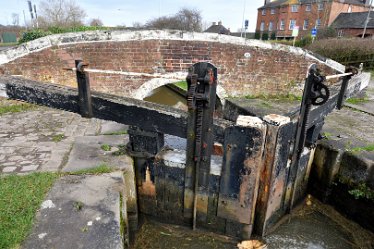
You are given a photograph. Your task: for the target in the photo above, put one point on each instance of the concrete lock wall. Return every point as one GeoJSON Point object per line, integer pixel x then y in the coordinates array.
{"type": "Point", "coordinates": [248, 67]}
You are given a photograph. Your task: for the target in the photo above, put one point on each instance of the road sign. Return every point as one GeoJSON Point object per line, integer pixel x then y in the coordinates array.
{"type": "Point", "coordinates": [314, 32]}
{"type": "Point", "coordinates": [295, 31]}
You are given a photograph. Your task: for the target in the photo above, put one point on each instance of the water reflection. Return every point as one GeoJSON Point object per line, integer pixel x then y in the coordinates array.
{"type": "Point", "coordinates": [166, 96]}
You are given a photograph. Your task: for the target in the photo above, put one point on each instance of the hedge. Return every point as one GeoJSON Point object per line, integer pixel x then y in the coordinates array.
{"type": "Point", "coordinates": [37, 33]}
{"type": "Point", "coordinates": [348, 51]}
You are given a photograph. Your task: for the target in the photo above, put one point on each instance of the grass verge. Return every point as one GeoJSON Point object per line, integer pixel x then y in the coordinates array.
{"type": "Point", "coordinates": [21, 107]}
{"type": "Point", "coordinates": [20, 198]}
{"type": "Point", "coordinates": [182, 85]}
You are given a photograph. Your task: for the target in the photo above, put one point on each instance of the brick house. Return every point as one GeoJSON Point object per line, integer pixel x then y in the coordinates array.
{"type": "Point", "coordinates": [278, 17]}
{"type": "Point", "coordinates": [353, 24]}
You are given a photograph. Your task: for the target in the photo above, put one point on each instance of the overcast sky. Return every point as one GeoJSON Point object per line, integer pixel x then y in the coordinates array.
{"type": "Point", "coordinates": [126, 12]}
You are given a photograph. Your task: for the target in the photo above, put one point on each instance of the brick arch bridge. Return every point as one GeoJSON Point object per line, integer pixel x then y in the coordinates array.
{"type": "Point", "coordinates": [245, 67]}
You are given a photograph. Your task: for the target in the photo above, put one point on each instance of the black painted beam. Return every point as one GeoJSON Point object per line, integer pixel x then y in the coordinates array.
{"type": "Point", "coordinates": [146, 115]}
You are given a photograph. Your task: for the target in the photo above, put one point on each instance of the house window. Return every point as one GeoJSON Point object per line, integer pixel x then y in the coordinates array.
{"type": "Point", "coordinates": [306, 24]}
{"type": "Point", "coordinates": [340, 33]}
{"type": "Point", "coordinates": [294, 8]}
{"type": "Point", "coordinates": [282, 24]}
{"type": "Point", "coordinates": [271, 26]}
{"type": "Point", "coordinates": [262, 26]}
{"type": "Point", "coordinates": [292, 24]}
{"type": "Point", "coordinates": [318, 23]}
{"type": "Point", "coordinates": [320, 6]}
{"type": "Point", "coordinates": [263, 12]}
{"type": "Point", "coordinates": [272, 11]}
{"type": "Point", "coordinates": [308, 7]}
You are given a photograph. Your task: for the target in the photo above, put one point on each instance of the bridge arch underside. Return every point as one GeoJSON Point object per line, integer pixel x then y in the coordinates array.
{"type": "Point", "coordinates": [243, 69]}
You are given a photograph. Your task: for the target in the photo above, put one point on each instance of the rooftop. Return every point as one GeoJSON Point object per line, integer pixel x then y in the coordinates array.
{"type": "Point", "coordinates": [353, 20]}
{"type": "Point", "coordinates": [278, 3]}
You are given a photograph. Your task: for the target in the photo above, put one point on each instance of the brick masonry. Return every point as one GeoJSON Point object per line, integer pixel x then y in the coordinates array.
{"type": "Point", "coordinates": [269, 69]}
{"type": "Point", "coordinates": [329, 12]}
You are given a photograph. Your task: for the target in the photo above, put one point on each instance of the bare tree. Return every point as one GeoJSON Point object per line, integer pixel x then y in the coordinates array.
{"type": "Point", "coordinates": [96, 22]}
{"type": "Point", "coordinates": [62, 13]}
{"type": "Point", "coordinates": [185, 19]}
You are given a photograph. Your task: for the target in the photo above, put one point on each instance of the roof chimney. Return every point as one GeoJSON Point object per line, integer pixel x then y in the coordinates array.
{"type": "Point", "coordinates": [214, 23]}
{"type": "Point", "coordinates": [220, 23]}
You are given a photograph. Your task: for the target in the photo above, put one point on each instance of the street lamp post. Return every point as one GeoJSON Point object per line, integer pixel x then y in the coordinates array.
{"type": "Point", "coordinates": [367, 19]}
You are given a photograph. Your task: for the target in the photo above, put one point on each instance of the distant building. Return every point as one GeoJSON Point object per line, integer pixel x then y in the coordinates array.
{"type": "Point", "coordinates": [277, 18]}
{"type": "Point", "coordinates": [353, 24]}
{"type": "Point", "coordinates": [217, 28]}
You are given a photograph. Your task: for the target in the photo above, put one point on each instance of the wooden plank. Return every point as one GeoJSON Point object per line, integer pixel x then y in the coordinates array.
{"type": "Point", "coordinates": [242, 163]}
{"type": "Point", "coordinates": [148, 116]}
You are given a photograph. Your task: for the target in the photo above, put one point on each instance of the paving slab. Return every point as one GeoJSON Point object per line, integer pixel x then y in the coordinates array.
{"type": "Point", "coordinates": [111, 127]}
{"type": "Point", "coordinates": [39, 139]}
{"type": "Point", "coordinates": [87, 153]}
{"type": "Point", "coordinates": [367, 105]}
{"type": "Point", "coordinates": [80, 211]}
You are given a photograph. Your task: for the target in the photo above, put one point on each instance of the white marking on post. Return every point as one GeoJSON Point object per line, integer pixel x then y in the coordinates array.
{"type": "Point", "coordinates": [3, 90]}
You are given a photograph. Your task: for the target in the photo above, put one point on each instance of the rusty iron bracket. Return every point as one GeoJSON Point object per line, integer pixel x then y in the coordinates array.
{"type": "Point", "coordinates": [344, 85]}
{"type": "Point", "coordinates": [201, 97]}
{"type": "Point", "coordinates": [315, 93]}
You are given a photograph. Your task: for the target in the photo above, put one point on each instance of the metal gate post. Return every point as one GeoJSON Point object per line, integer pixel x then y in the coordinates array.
{"type": "Point", "coordinates": [202, 83]}
{"type": "Point", "coordinates": [84, 92]}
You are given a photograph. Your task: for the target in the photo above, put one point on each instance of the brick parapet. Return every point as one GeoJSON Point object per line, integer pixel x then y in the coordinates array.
{"type": "Point", "coordinates": [245, 67]}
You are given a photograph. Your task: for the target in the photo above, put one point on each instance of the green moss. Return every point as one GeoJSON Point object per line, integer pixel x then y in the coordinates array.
{"type": "Point", "coordinates": [368, 148]}
{"type": "Point", "coordinates": [21, 107]}
{"type": "Point", "coordinates": [121, 151]}
{"type": "Point", "coordinates": [101, 169]}
{"type": "Point", "coordinates": [106, 147]}
{"type": "Point", "coordinates": [58, 138]}
{"type": "Point", "coordinates": [355, 101]}
{"type": "Point", "coordinates": [116, 133]}
{"type": "Point", "coordinates": [281, 97]}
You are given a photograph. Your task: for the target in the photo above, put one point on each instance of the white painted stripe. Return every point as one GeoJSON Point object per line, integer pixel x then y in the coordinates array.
{"type": "Point", "coordinates": [120, 36]}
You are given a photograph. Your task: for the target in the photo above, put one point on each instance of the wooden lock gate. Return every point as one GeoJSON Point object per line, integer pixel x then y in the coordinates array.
{"type": "Point", "coordinates": [257, 178]}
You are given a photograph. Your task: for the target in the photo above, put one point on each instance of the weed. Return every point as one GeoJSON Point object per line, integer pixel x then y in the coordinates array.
{"type": "Point", "coordinates": [124, 132]}
{"type": "Point", "coordinates": [101, 169]}
{"type": "Point", "coordinates": [78, 205]}
{"type": "Point", "coordinates": [362, 192]}
{"type": "Point", "coordinates": [121, 151]}
{"type": "Point", "coordinates": [326, 135]}
{"type": "Point", "coordinates": [281, 97]}
{"type": "Point", "coordinates": [19, 107]}
{"type": "Point", "coordinates": [20, 198]}
{"type": "Point", "coordinates": [58, 138]}
{"type": "Point", "coordinates": [355, 101]}
{"type": "Point", "coordinates": [106, 147]}
{"type": "Point", "coordinates": [368, 148]}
